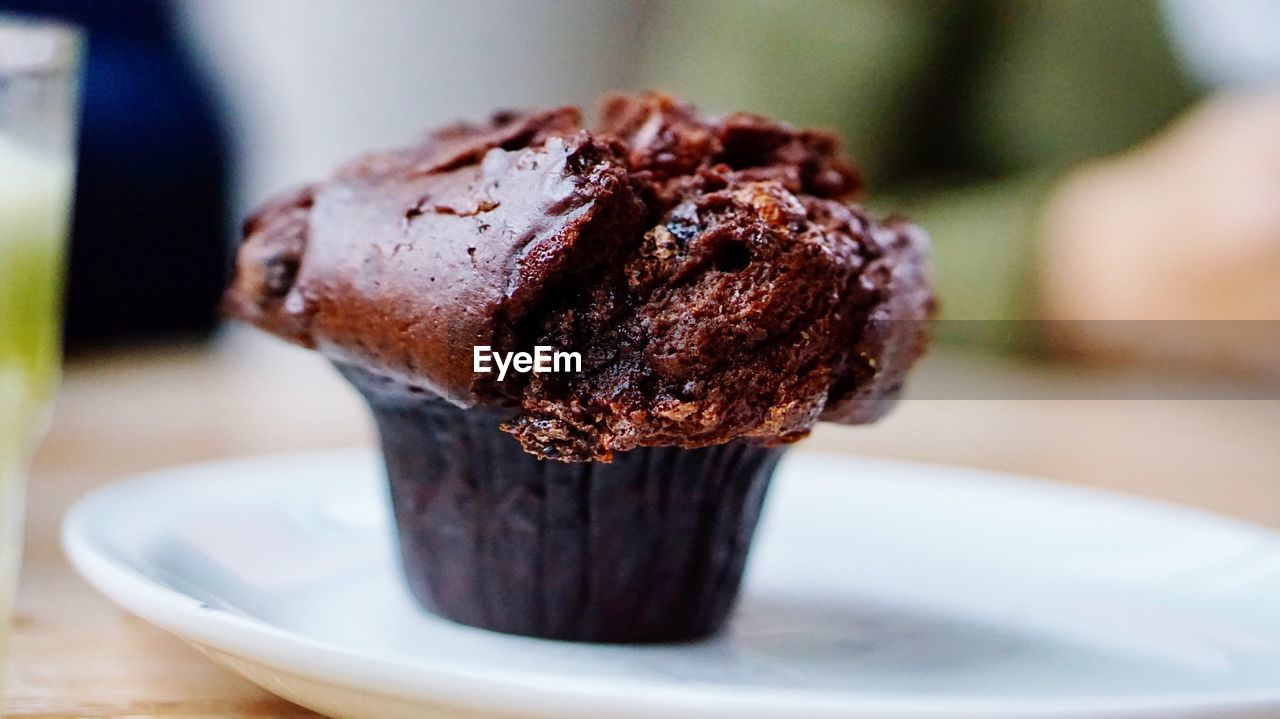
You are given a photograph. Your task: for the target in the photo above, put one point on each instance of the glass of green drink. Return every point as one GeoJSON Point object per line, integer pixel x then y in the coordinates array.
{"type": "Point", "coordinates": [39, 64]}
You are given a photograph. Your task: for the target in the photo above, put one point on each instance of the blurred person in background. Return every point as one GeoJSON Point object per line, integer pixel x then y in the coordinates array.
{"type": "Point", "coordinates": [1047, 146]}
{"type": "Point", "coordinates": [149, 248]}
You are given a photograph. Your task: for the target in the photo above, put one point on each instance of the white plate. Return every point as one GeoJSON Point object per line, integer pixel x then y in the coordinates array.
{"type": "Point", "coordinates": [877, 589]}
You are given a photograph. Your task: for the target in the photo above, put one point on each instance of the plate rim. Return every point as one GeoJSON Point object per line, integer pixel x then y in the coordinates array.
{"type": "Point", "coordinates": [426, 680]}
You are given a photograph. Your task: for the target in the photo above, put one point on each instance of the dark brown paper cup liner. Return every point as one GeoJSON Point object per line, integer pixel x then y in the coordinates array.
{"type": "Point", "coordinates": [648, 548]}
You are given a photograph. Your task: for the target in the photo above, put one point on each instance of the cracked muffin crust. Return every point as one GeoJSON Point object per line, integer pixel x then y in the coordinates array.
{"type": "Point", "coordinates": [712, 273]}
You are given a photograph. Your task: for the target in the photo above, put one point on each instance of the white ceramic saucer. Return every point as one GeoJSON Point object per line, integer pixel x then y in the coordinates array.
{"type": "Point", "coordinates": [877, 589]}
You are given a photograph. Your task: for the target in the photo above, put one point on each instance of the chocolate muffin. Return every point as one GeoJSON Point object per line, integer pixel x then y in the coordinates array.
{"type": "Point", "coordinates": [722, 295]}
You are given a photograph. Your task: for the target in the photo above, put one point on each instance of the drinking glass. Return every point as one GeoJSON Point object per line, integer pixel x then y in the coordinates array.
{"type": "Point", "coordinates": [39, 65]}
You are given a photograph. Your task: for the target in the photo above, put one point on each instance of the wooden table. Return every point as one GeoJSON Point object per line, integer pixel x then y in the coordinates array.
{"type": "Point", "coordinates": [76, 655]}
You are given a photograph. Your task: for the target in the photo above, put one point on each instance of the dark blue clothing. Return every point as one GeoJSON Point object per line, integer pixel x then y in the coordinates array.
{"type": "Point", "coordinates": [150, 244]}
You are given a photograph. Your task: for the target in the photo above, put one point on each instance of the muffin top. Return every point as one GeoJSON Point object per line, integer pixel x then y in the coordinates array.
{"type": "Point", "coordinates": [711, 273]}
